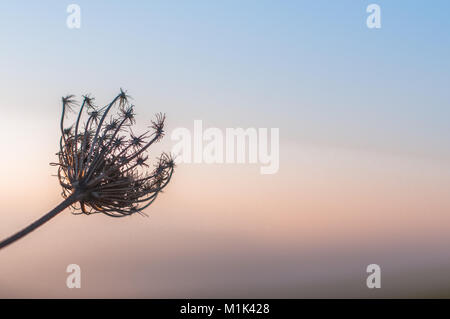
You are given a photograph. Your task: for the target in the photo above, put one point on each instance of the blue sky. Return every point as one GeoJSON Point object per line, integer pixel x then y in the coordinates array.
{"type": "Point", "coordinates": [312, 68]}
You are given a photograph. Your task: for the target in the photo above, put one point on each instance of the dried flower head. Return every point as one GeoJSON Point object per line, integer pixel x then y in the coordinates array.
{"type": "Point", "coordinates": [103, 162]}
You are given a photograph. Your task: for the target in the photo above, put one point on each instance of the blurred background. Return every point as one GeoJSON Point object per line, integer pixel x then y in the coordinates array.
{"type": "Point", "coordinates": [364, 148]}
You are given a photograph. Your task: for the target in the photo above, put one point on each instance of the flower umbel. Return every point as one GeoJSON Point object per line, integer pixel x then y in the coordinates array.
{"type": "Point", "coordinates": [103, 163]}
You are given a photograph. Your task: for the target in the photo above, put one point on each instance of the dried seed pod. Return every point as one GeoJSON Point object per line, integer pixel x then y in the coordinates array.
{"type": "Point", "coordinates": [104, 164]}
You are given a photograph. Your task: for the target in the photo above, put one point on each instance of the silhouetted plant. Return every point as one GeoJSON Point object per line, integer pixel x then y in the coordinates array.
{"type": "Point", "coordinates": [102, 168]}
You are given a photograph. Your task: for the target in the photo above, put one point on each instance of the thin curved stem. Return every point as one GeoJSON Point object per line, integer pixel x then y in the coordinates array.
{"type": "Point", "coordinates": [55, 211]}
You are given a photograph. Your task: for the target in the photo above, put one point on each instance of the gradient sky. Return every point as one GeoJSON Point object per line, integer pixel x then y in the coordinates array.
{"type": "Point", "coordinates": [364, 133]}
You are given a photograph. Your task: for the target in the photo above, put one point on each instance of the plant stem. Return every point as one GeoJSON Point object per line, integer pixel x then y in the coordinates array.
{"type": "Point", "coordinates": [74, 197]}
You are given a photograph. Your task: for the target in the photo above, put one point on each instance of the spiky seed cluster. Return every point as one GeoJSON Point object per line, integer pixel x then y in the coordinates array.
{"type": "Point", "coordinates": [103, 161]}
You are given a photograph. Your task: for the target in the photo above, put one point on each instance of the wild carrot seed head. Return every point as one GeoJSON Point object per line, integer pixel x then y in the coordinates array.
{"type": "Point", "coordinates": [104, 160]}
